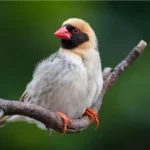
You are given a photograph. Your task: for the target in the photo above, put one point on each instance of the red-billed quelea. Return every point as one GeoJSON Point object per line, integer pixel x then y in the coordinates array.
{"type": "Point", "coordinates": [69, 81]}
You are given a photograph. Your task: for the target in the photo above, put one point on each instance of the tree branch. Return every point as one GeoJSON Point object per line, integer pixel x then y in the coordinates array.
{"type": "Point", "coordinates": [51, 120]}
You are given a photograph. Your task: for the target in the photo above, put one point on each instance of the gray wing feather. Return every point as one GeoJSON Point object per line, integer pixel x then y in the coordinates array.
{"type": "Point", "coordinates": [56, 85]}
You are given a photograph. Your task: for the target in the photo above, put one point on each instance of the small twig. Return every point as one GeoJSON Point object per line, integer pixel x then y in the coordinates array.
{"type": "Point", "coordinates": [51, 120]}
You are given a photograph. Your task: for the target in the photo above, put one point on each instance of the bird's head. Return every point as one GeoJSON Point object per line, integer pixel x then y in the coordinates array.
{"type": "Point", "coordinates": [76, 34]}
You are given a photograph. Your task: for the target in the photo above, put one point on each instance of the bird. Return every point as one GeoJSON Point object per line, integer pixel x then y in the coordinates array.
{"type": "Point", "coordinates": [69, 81]}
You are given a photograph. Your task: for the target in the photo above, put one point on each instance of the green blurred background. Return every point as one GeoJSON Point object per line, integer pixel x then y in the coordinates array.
{"type": "Point", "coordinates": [26, 37]}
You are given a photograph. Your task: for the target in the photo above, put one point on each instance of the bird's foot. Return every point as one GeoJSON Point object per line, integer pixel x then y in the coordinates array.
{"type": "Point", "coordinates": [92, 115]}
{"type": "Point", "coordinates": [66, 121]}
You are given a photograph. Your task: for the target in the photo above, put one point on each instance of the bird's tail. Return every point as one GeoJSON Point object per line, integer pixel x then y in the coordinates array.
{"type": "Point", "coordinates": [17, 118]}
{"type": "Point", "coordinates": [3, 121]}
{"type": "Point", "coordinates": [7, 119]}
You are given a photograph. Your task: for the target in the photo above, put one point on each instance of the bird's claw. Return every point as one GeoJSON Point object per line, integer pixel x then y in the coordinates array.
{"type": "Point", "coordinates": [66, 121]}
{"type": "Point", "coordinates": [92, 115]}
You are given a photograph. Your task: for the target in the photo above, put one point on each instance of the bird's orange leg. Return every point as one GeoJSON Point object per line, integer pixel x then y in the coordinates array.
{"type": "Point", "coordinates": [66, 121]}
{"type": "Point", "coordinates": [92, 115]}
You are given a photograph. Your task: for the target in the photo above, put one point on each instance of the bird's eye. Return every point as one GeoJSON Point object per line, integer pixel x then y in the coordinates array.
{"type": "Point", "coordinates": [75, 31]}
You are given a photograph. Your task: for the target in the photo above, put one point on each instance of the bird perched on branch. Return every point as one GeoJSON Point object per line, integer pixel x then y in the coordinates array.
{"type": "Point", "coordinates": [69, 81]}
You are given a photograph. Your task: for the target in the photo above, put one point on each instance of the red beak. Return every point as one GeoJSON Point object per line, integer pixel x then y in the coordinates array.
{"type": "Point", "coordinates": [63, 33]}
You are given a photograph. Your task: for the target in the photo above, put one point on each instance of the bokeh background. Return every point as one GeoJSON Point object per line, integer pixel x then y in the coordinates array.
{"type": "Point", "coordinates": [26, 37]}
